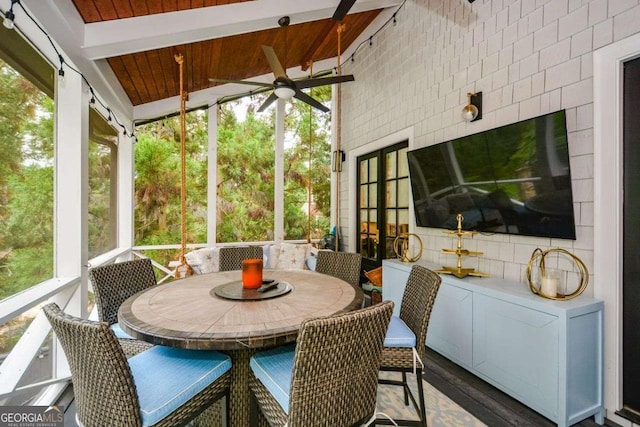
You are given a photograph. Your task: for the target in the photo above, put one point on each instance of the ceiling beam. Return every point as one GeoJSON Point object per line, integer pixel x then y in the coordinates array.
{"type": "Point", "coordinates": [123, 36]}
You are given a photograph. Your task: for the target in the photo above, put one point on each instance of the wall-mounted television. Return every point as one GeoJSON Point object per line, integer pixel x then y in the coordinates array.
{"type": "Point", "coordinates": [514, 179]}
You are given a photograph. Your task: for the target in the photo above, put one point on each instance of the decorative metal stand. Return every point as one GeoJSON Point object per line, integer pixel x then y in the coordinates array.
{"type": "Point", "coordinates": [401, 247]}
{"type": "Point", "coordinates": [538, 275]}
{"type": "Point", "coordinates": [459, 251]}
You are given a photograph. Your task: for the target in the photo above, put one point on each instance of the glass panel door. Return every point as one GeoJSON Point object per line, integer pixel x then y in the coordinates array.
{"type": "Point", "coordinates": [383, 202]}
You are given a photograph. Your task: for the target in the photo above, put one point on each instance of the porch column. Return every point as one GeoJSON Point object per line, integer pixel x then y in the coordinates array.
{"type": "Point", "coordinates": [278, 214]}
{"type": "Point", "coordinates": [212, 177]}
{"type": "Point", "coordinates": [71, 186]}
{"type": "Point", "coordinates": [126, 189]}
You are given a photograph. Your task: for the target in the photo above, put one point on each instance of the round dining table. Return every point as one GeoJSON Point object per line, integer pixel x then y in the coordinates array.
{"type": "Point", "coordinates": [189, 313]}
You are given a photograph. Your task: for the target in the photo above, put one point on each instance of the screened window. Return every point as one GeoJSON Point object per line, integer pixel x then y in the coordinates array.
{"type": "Point", "coordinates": [246, 159]}
{"type": "Point", "coordinates": [26, 192]}
{"type": "Point", "coordinates": [26, 167]}
{"type": "Point", "coordinates": [307, 170]}
{"type": "Point", "coordinates": [157, 183]}
{"type": "Point", "coordinates": [103, 156]}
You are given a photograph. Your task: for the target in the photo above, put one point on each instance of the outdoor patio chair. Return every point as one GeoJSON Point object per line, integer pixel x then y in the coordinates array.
{"type": "Point", "coordinates": [405, 342]}
{"type": "Point", "coordinates": [162, 386]}
{"type": "Point", "coordinates": [329, 377]}
{"type": "Point", "coordinates": [231, 258]}
{"type": "Point", "coordinates": [112, 285]}
{"type": "Point", "coordinates": [343, 265]}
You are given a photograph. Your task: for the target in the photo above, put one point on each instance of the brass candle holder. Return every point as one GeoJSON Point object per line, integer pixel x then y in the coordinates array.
{"type": "Point", "coordinates": [547, 285]}
{"type": "Point", "coordinates": [401, 247]}
{"type": "Point", "coordinates": [459, 251]}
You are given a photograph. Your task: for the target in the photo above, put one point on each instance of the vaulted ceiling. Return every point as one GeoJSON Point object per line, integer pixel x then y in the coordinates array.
{"type": "Point", "coordinates": [130, 44]}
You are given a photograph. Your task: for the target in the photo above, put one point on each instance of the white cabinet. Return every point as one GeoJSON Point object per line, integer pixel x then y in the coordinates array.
{"type": "Point", "coordinates": [546, 354]}
{"type": "Point", "coordinates": [450, 325]}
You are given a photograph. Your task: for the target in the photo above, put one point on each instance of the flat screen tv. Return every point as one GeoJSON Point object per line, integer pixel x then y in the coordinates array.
{"type": "Point", "coordinates": [514, 179]}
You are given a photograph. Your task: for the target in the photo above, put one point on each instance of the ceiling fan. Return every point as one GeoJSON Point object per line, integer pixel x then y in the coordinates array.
{"type": "Point", "coordinates": [286, 88]}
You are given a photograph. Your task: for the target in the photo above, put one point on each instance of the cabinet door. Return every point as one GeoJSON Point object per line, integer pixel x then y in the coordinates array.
{"type": "Point", "coordinates": [450, 325]}
{"type": "Point", "coordinates": [517, 349]}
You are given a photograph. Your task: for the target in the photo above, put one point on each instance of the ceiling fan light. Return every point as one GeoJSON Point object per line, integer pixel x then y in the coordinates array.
{"type": "Point", "coordinates": [284, 92]}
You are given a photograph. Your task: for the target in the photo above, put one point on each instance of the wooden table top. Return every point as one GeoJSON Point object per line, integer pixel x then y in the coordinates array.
{"type": "Point", "coordinates": [185, 313]}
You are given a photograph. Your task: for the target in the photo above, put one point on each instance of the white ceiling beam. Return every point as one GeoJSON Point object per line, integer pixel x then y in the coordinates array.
{"type": "Point", "coordinates": [123, 36]}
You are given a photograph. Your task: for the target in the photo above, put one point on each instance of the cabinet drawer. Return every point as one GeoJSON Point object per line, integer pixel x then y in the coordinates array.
{"type": "Point", "coordinates": [450, 326]}
{"type": "Point", "coordinates": [517, 348]}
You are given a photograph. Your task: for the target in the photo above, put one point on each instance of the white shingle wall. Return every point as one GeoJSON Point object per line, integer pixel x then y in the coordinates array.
{"type": "Point", "coordinates": [528, 57]}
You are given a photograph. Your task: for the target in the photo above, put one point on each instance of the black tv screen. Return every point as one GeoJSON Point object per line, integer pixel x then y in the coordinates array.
{"type": "Point", "coordinates": [514, 179]}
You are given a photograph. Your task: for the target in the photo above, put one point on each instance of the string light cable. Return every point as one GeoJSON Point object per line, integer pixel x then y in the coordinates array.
{"type": "Point", "coordinates": [369, 40]}
{"type": "Point", "coordinates": [9, 22]}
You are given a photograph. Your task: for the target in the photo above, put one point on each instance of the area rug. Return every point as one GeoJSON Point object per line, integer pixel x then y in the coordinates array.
{"type": "Point", "coordinates": [441, 411]}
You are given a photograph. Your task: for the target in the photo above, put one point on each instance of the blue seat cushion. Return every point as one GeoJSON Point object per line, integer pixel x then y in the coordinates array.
{"type": "Point", "coordinates": [167, 377]}
{"type": "Point", "coordinates": [311, 263]}
{"type": "Point", "coordinates": [119, 333]}
{"type": "Point", "coordinates": [274, 368]}
{"type": "Point", "coordinates": [399, 334]}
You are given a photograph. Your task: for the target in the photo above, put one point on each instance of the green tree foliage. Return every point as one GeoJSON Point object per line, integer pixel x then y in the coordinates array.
{"type": "Point", "coordinates": [307, 167]}
{"type": "Point", "coordinates": [157, 186]}
{"type": "Point", "coordinates": [245, 188]}
{"type": "Point", "coordinates": [26, 183]}
{"type": "Point", "coordinates": [245, 174]}
{"type": "Point", "coordinates": [102, 213]}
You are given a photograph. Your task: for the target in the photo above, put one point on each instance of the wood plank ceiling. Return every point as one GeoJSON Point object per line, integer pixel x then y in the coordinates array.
{"type": "Point", "coordinates": [153, 75]}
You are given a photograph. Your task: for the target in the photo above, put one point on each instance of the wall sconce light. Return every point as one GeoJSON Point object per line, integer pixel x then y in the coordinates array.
{"type": "Point", "coordinates": [337, 158]}
{"type": "Point", "coordinates": [473, 110]}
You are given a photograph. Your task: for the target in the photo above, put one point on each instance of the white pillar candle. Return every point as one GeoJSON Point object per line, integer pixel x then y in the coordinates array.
{"type": "Point", "coordinates": [549, 286]}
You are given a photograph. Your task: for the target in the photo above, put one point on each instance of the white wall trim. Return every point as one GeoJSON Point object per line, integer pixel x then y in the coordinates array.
{"type": "Point", "coordinates": [608, 191]}
{"type": "Point", "coordinates": [352, 157]}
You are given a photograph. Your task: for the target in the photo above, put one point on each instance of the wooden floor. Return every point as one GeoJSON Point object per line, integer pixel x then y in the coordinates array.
{"type": "Point", "coordinates": [482, 400]}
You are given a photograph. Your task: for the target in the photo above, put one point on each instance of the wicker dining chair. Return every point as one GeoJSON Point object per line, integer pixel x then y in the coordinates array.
{"type": "Point", "coordinates": [231, 258]}
{"type": "Point", "coordinates": [162, 386]}
{"type": "Point", "coordinates": [343, 265]}
{"type": "Point", "coordinates": [406, 338]}
{"type": "Point", "coordinates": [329, 377]}
{"type": "Point", "coordinates": [112, 285]}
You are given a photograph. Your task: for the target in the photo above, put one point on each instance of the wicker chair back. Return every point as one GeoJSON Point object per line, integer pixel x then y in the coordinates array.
{"type": "Point", "coordinates": [114, 283]}
{"type": "Point", "coordinates": [343, 265]}
{"type": "Point", "coordinates": [231, 258]}
{"type": "Point", "coordinates": [417, 303]}
{"type": "Point", "coordinates": [335, 371]}
{"type": "Point", "coordinates": [102, 383]}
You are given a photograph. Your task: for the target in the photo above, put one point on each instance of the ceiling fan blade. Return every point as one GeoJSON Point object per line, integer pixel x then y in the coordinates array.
{"type": "Point", "coordinates": [267, 102]}
{"type": "Point", "coordinates": [321, 81]}
{"type": "Point", "coordinates": [309, 100]}
{"type": "Point", "coordinates": [343, 8]}
{"type": "Point", "coordinates": [242, 82]}
{"type": "Point", "coordinates": [274, 62]}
